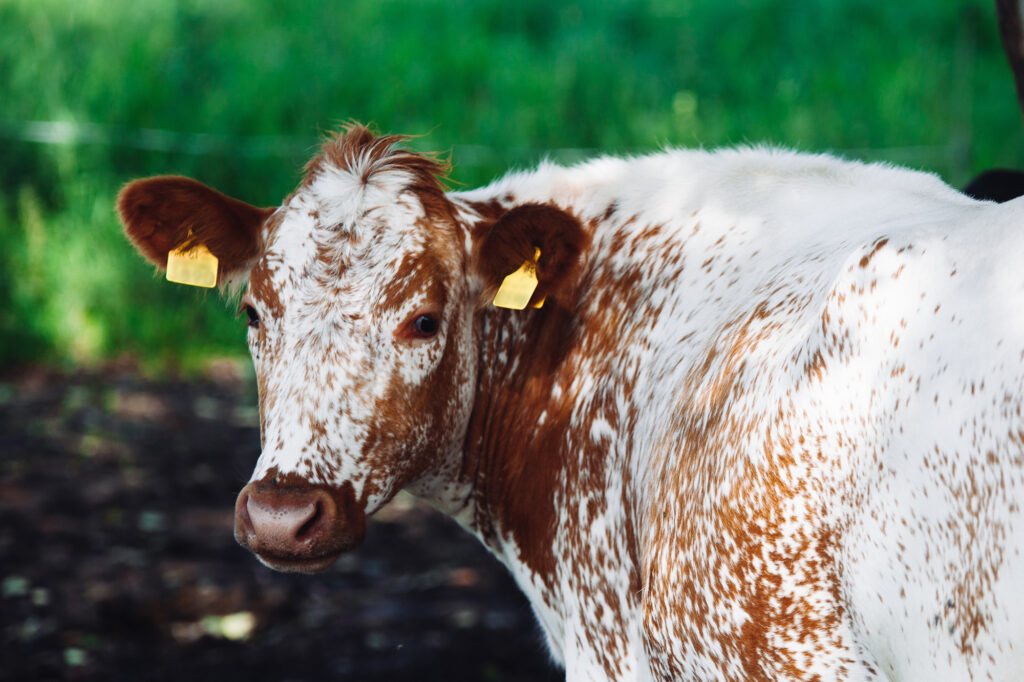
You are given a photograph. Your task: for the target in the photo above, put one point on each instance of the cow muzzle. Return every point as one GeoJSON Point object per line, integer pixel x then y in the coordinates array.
{"type": "Point", "coordinates": [295, 526]}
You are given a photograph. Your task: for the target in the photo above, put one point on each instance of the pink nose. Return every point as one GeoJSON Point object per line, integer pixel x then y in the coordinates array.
{"type": "Point", "coordinates": [297, 526]}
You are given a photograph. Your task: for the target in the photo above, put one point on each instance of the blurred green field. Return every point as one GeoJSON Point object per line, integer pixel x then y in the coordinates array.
{"type": "Point", "coordinates": [236, 94]}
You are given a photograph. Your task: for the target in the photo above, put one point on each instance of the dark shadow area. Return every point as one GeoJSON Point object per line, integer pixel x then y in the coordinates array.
{"type": "Point", "coordinates": [999, 184]}
{"type": "Point", "coordinates": [117, 559]}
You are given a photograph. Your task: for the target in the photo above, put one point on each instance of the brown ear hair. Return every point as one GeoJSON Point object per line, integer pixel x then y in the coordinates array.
{"type": "Point", "coordinates": [165, 213]}
{"type": "Point", "coordinates": [504, 245]}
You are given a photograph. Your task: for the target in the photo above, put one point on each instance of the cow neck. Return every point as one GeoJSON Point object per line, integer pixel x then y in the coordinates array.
{"type": "Point", "coordinates": [515, 445]}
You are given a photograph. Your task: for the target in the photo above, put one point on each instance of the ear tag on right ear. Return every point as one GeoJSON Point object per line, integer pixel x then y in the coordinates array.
{"type": "Point", "coordinates": [517, 289]}
{"type": "Point", "coordinates": [196, 267]}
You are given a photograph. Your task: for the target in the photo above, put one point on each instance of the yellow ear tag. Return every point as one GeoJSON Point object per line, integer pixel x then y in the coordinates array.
{"type": "Point", "coordinates": [517, 289]}
{"type": "Point", "coordinates": [196, 267]}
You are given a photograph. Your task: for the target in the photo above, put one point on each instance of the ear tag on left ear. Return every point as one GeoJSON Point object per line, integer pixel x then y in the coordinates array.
{"type": "Point", "coordinates": [196, 267]}
{"type": "Point", "coordinates": [517, 289]}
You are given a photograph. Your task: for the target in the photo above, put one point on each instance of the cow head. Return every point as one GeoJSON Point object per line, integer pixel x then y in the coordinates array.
{"type": "Point", "coordinates": [362, 291]}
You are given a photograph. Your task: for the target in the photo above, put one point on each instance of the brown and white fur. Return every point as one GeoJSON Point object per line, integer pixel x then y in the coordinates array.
{"type": "Point", "coordinates": [767, 424]}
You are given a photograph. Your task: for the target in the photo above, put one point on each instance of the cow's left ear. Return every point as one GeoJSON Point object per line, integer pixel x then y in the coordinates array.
{"type": "Point", "coordinates": [167, 213]}
{"type": "Point", "coordinates": [513, 239]}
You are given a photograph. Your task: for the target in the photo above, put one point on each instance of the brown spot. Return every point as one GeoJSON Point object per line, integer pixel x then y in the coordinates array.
{"type": "Point", "coordinates": [875, 248]}
{"type": "Point", "coordinates": [815, 366]}
{"type": "Point", "coordinates": [488, 213]}
{"type": "Point", "coordinates": [610, 211]}
{"type": "Point", "coordinates": [262, 290]}
{"type": "Point", "coordinates": [416, 272]}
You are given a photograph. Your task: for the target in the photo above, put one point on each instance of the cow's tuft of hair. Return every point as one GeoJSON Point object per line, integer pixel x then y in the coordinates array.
{"type": "Point", "coordinates": [357, 149]}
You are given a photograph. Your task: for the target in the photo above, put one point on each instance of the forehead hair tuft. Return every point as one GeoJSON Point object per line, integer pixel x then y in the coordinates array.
{"type": "Point", "coordinates": [357, 150]}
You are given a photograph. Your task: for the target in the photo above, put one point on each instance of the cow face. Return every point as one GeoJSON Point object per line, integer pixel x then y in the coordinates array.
{"type": "Point", "coordinates": [360, 332]}
{"type": "Point", "coordinates": [360, 305]}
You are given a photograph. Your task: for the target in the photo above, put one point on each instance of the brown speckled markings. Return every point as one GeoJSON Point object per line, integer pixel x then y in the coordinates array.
{"type": "Point", "coordinates": [767, 425]}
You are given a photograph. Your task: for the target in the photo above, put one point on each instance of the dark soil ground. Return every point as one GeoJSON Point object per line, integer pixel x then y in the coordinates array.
{"type": "Point", "coordinates": [117, 560]}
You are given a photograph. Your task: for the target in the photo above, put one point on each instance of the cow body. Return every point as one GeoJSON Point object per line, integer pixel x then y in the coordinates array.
{"type": "Point", "coordinates": [766, 426]}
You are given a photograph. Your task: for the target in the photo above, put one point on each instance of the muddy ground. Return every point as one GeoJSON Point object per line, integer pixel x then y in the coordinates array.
{"type": "Point", "coordinates": [117, 560]}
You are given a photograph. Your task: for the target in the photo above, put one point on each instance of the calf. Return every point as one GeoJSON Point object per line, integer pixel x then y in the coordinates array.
{"type": "Point", "coordinates": [760, 417]}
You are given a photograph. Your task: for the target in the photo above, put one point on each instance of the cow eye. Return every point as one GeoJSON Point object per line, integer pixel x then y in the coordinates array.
{"type": "Point", "coordinates": [254, 319]}
{"type": "Point", "coordinates": [424, 326]}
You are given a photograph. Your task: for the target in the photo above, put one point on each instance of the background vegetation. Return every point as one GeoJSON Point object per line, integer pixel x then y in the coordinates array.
{"type": "Point", "coordinates": [235, 93]}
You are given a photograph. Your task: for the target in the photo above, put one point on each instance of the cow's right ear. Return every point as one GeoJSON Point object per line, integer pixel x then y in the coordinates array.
{"type": "Point", "coordinates": [167, 213]}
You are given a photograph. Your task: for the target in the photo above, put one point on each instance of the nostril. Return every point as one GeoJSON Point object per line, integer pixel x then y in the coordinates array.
{"type": "Point", "coordinates": [243, 521]}
{"type": "Point", "coordinates": [310, 527]}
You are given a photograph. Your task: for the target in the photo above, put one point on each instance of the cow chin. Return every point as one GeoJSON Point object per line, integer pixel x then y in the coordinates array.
{"type": "Point", "coordinates": [300, 564]}
{"type": "Point", "coordinates": [307, 567]}
{"type": "Point", "coordinates": [298, 527]}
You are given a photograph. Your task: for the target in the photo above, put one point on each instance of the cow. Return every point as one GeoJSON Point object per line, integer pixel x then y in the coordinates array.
{"type": "Point", "coordinates": [996, 184]}
{"type": "Point", "coordinates": [758, 414]}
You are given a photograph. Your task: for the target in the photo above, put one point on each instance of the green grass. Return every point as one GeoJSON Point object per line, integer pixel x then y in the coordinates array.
{"type": "Point", "coordinates": [921, 83]}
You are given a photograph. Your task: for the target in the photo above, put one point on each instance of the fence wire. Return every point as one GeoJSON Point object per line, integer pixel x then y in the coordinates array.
{"type": "Point", "coordinates": [288, 146]}
{"type": "Point", "coordinates": [154, 139]}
